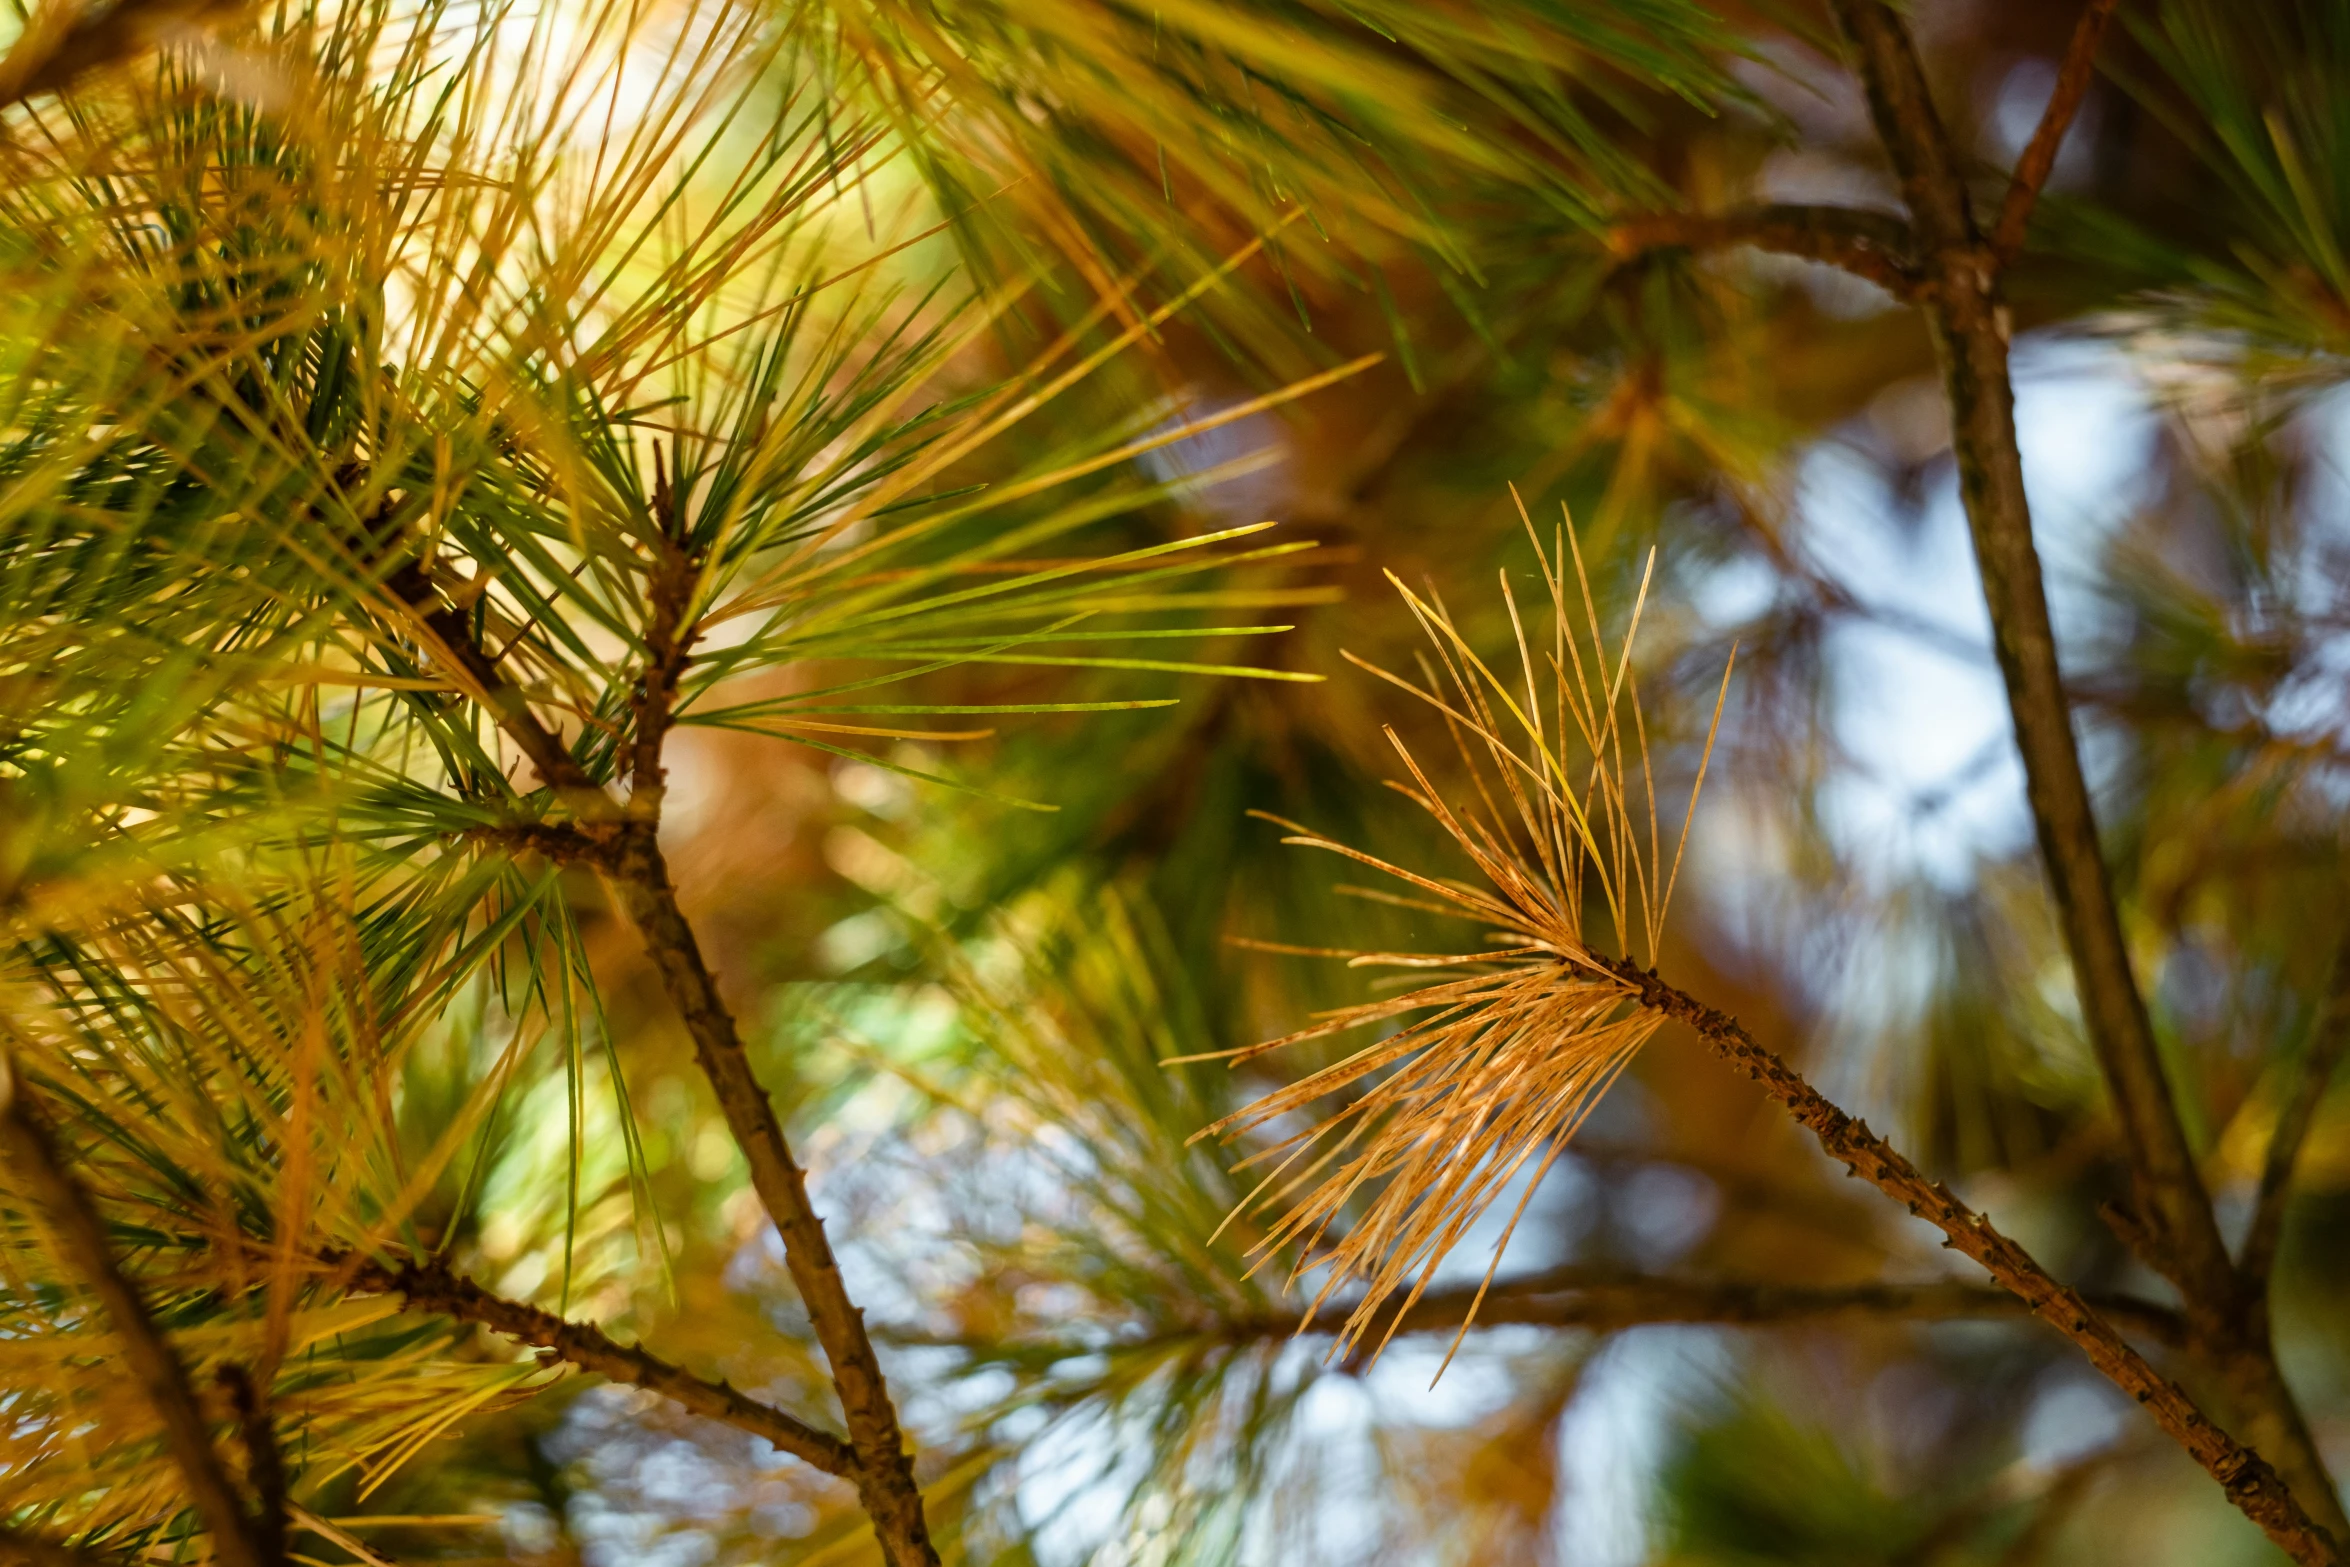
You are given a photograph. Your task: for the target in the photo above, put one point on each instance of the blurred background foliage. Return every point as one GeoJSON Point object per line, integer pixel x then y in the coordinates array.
{"type": "Point", "coordinates": [963, 1005]}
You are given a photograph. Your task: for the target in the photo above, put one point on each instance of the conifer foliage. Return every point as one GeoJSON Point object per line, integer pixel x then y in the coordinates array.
{"type": "Point", "coordinates": [656, 661]}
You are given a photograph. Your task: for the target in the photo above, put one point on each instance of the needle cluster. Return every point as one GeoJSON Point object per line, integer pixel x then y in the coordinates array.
{"type": "Point", "coordinates": [1388, 1157]}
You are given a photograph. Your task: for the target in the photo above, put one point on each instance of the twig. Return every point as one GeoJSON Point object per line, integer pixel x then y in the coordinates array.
{"type": "Point", "coordinates": [639, 877]}
{"type": "Point", "coordinates": [2317, 1066]}
{"type": "Point", "coordinates": [2227, 1325]}
{"type": "Point", "coordinates": [265, 1465]}
{"type": "Point", "coordinates": [1973, 347]}
{"type": "Point", "coordinates": [328, 1531]}
{"type": "Point", "coordinates": [2243, 1474]}
{"type": "Point", "coordinates": [2032, 169]}
{"type": "Point", "coordinates": [430, 1287]}
{"type": "Point", "coordinates": [1872, 245]}
{"type": "Point", "coordinates": [1574, 1297]}
{"type": "Point", "coordinates": [638, 874]}
{"type": "Point", "coordinates": [449, 638]}
{"type": "Point", "coordinates": [884, 1473]}
{"type": "Point", "coordinates": [668, 643]}
{"type": "Point", "coordinates": [82, 1237]}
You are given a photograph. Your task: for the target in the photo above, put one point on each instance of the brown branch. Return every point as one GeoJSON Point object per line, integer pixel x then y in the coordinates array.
{"type": "Point", "coordinates": [884, 1471]}
{"type": "Point", "coordinates": [2242, 1473]}
{"type": "Point", "coordinates": [1576, 1297]}
{"type": "Point", "coordinates": [669, 643]}
{"type": "Point", "coordinates": [265, 1464]}
{"type": "Point", "coordinates": [2317, 1065]}
{"type": "Point", "coordinates": [1872, 245]}
{"type": "Point", "coordinates": [1972, 342]}
{"type": "Point", "coordinates": [558, 841]}
{"type": "Point", "coordinates": [638, 874]}
{"type": "Point", "coordinates": [2227, 1325]}
{"type": "Point", "coordinates": [67, 42]}
{"type": "Point", "coordinates": [81, 1235]}
{"type": "Point", "coordinates": [2032, 169]}
{"type": "Point", "coordinates": [449, 638]}
{"type": "Point", "coordinates": [431, 1287]}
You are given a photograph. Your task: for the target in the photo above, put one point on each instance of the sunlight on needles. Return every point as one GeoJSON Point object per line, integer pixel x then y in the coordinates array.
{"type": "Point", "coordinates": [1492, 1069]}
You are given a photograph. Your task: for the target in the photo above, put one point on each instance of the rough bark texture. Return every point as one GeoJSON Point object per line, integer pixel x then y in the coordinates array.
{"type": "Point", "coordinates": [2227, 1322]}
{"type": "Point", "coordinates": [146, 1353]}
{"type": "Point", "coordinates": [2242, 1473]}
{"type": "Point", "coordinates": [627, 850]}
{"type": "Point", "coordinates": [884, 1470]}
{"type": "Point", "coordinates": [429, 1287]}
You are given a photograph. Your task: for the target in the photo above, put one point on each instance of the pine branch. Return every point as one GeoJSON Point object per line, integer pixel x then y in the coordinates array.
{"type": "Point", "coordinates": [2242, 1473]}
{"type": "Point", "coordinates": [2227, 1324]}
{"type": "Point", "coordinates": [638, 874]}
{"type": "Point", "coordinates": [1872, 245]}
{"type": "Point", "coordinates": [2032, 169]}
{"type": "Point", "coordinates": [884, 1472]}
{"type": "Point", "coordinates": [668, 645]}
{"type": "Point", "coordinates": [81, 1235]}
{"type": "Point", "coordinates": [431, 1287]}
{"type": "Point", "coordinates": [2317, 1066]}
{"type": "Point", "coordinates": [1574, 1297]}
{"type": "Point", "coordinates": [67, 42]}
{"type": "Point", "coordinates": [449, 638]}
{"type": "Point", "coordinates": [265, 1464]}
{"type": "Point", "coordinates": [1971, 337]}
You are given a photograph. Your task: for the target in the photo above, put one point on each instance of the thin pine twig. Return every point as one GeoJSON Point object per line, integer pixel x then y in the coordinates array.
{"type": "Point", "coordinates": [2039, 157]}
{"type": "Point", "coordinates": [431, 1287]}
{"type": "Point", "coordinates": [1506, 1061]}
{"type": "Point", "coordinates": [1493, 1066]}
{"type": "Point", "coordinates": [2242, 1473]}
{"type": "Point", "coordinates": [81, 1234]}
{"type": "Point", "coordinates": [1870, 245]}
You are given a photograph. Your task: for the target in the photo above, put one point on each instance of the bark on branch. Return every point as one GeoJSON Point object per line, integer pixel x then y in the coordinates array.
{"type": "Point", "coordinates": [639, 878]}
{"type": "Point", "coordinates": [430, 1287]}
{"type": "Point", "coordinates": [2032, 169]}
{"type": "Point", "coordinates": [146, 1353]}
{"type": "Point", "coordinates": [1575, 1297]}
{"type": "Point", "coordinates": [2242, 1473]}
{"type": "Point", "coordinates": [1872, 245]}
{"type": "Point", "coordinates": [630, 858]}
{"type": "Point", "coordinates": [2227, 1324]}
{"type": "Point", "coordinates": [1572, 1297]}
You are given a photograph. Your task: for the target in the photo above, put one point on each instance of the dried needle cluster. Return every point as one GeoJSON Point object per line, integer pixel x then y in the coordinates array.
{"type": "Point", "coordinates": [1492, 1067]}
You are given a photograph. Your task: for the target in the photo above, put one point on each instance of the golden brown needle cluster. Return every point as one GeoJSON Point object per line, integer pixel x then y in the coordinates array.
{"type": "Point", "coordinates": [1381, 1163]}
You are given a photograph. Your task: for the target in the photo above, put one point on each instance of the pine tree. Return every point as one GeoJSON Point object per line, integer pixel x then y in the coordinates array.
{"type": "Point", "coordinates": [612, 609]}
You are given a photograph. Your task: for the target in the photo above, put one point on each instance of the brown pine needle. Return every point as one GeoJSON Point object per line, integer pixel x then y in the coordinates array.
{"type": "Point", "coordinates": [1498, 1067]}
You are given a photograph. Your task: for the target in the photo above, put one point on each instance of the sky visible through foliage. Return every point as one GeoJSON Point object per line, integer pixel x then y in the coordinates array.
{"type": "Point", "coordinates": [1053, 783]}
